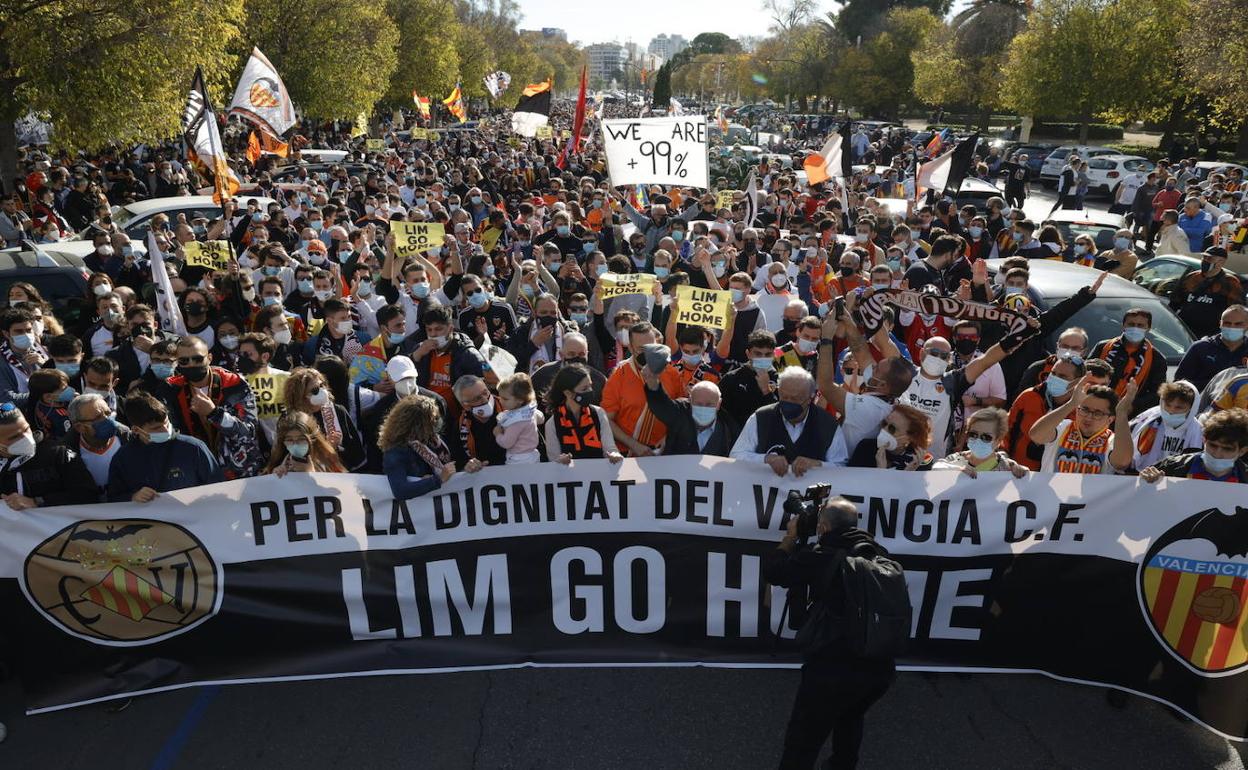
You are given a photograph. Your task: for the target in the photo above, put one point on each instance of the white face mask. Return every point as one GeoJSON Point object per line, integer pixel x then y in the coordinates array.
{"type": "Point", "coordinates": [100, 289]}
{"type": "Point", "coordinates": [249, 294]}
{"type": "Point", "coordinates": [779, 280]}
{"type": "Point", "coordinates": [439, 342]}
{"type": "Point", "coordinates": [886, 440]}
{"type": "Point", "coordinates": [485, 411]}
{"type": "Point", "coordinates": [282, 337]}
{"type": "Point", "coordinates": [406, 386]}
{"type": "Point", "coordinates": [344, 327]}
{"type": "Point", "coordinates": [935, 366]}
{"type": "Point", "coordinates": [229, 342]}
{"type": "Point", "coordinates": [24, 446]}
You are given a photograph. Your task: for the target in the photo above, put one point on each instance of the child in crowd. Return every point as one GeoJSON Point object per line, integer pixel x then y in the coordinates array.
{"type": "Point", "coordinates": [517, 424]}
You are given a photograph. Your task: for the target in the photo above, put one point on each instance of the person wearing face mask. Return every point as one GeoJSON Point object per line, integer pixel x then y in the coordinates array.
{"type": "Point", "coordinates": [803, 348]}
{"type": "Point", "coordinates": [484, 313]}
{"type": "Point", "coordinates": [38, 473]}
{"type": "Point", "coordinates": [1225, 444]}
{"type": "Point", "coordinates": [97, 436]}
{"type": "Point", "coordinates": [938, 391]}
{"type": "Point", "coordinates": [1121, 259]}
{"type": "Point", "coordinates": [849, 274]}
{"type": "Point", "coordinates": [695, 424]}
{"type": "Point", "coordinates": [443, 355]}
{"type": "Point", "coordinates": [1134, 359]}
{"type": "Point", "coordinates": [578, 428]}
{"type": "Point", "coordinates": [1168, 429]}
{"type": "Point", "coordinates": [1227, 349]}
{"type": "Point", "coordinates": [901, 443]}
{"type": "Point", "coordinates": [575, 351]}
{"type": "Point", "coordinates": [1031, 404]}
{"type": "Point", "coordinates": [980, 243]}
{"type": "Point", "coordinates": [337, 337]}
{"type": "Point", "coordinates": [307, 392]}
{"type": "Point", "coordinates": [1200, 297]}
{"type": "Point", "coordinates": [937, 269]}
{"type": "Point", "coordinates": [624, 400]}
{"type": "Point", "coordinates": [539, 339]}
{"type": "Point", "coordinates": [157, 458]}
{"type": "Point", "coordinates": [563, 235]}
{"type": "Point", "coordinates": [791, 435]}
{"type": "Point", "coordinates": [985, 434]}
{"type": "Point", "coordinates": [1167, 199]}
{"type": "Point", "coordinates": [653, 228]}
{"type": "Point", "coordinates": [47, 402]}
{"type": "Point", "coordinates": [255, 354]}
{"type": "Point", "coordinates": [104, 259]}
{"type": "Point", "coordinates": [473, 443]}
{"type": "Point", "coordinates": [691, 358]}
{"type": "Point", "coordinates": [302, 448]}
{"type": "Point", "coordinates": [215, 406]}
{"type": "Point", "coordinates": [20, 353]}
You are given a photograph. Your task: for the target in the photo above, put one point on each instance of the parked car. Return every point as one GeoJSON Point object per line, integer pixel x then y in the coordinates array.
{"type": "Point", "coordinates": [1050, 282]}
{"type": "Point", "coordinates": [1204, 168]}
{"type": "Point", "coordinates": [1160, 273]}
{"type": "Point", "coordinates": [1036, 154]}
{"type": "Point", "coordinates": [1055, 161]}
{"type": "Point", "coordinates": [1072, 223]}
{"type": "Point", "coordinates": [60, 278]}
{"type": "Point", "coordinates": [976, 192]}
{"type": "Point", "coordinates": [135, 219]}
{"type": "Point", "coordinates": [1105, 172]}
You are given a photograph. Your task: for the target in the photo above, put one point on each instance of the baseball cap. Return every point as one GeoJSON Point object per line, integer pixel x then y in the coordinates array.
{"type": "Point", "coordinates": [400, 367]}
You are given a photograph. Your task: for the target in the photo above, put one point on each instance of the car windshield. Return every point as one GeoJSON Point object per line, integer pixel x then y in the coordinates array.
{"type": "Point", "coordinates": [1103, 320]}
{"type": "Point", "coordinates": [1104, 236]}
{"type": "Point", "coordinates": [121, 215]}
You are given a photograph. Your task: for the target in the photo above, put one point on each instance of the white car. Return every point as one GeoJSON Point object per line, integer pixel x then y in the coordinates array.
{"type": "Point", "coordinates": [1055, 161]}
{"type": "Point", "coordinates": [1206, 167]}
{"type": "Point", "coordinates": [135, 219]}
{"type": "Point", "coordinates": [1105, 172]}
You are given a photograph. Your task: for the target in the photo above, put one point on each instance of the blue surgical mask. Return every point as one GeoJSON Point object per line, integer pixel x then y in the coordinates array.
{"type": "Point", "coordinates": [160, 437]}
{"type": "Point", "coordinates": [162, 371]}
{"type": "Point", "coordinates": [305, 286]}
{"type": "Point", "coordinates": [71, 369]}
{"type": "Point", "coordinates": [1081, 249]}
{"type": "Point", "coordinates": [476, 200]}
{"type": "Point", "coordinates": [1134, 334]}
{"type": "Point", "coordinates": [1011, 291]}
{"type": "Point", "coordinates": [270, 301]}
{"type": "Point", "coordinates": [488, 270]}
{"type": "Point", "coordinates": [601, 269]}
{"type": "Point", "coordinates": [678, 235]}
{"type": "Point", "coordinates": [580, 318]}
{"type": "Point", "coordinates": [587, 248]}
{"type": "Point", "coordinates": [1056, 386]}
{"type": "Point", "coordinates": [661, 272]}
{"type": "Point", "coordinates": [344, 255]}
{"type": "Point", "coordinates": [270, 270]}
{"type": "Point", "coordinates": [894, 264]}
{"type": "Point", "coordinates": [1173, 420]}
{"type": "Point", "coordinates": [1017, 235]}
{"type": "Point", "coordinates": [23, 341]}
{"type": "Point", "coordinates": [1218, 466]}
{"type": "Point", "coordinates": [980, 449]}
{"type": "Point", "coordinates": [738, 295]}
{"type": "Point", "coordinates": [395, 338]}
{"type": "Point", "coordinates": [1232, 333]}
{"type": "Point", "coordinates": [703, 415]}
{"type": "Point", "coordinates": [691, 359]}
{"type": "Point", "coordinates": [975, 231]}
{"type": "Point", "coordinates": [421, 290]}
{"type": "Point", "coordinates": [719, 268]}
{"type": "Point", "coordinates": [478, 299]}
{"type": "Point", "coordinates": [67, 395]}
{"type": "Point", "coordinates": [420, 202]}
{"type": "Point", "coordinates": [765, 364]}
{"type": "Point", "coordinates": [563, 229]}
{"type": "Point", "coordinates": [104, 428]}
{"type": "Point", "coordinates": [1122, 244]}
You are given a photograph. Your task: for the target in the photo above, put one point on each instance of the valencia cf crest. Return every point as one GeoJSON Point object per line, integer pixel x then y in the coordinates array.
{"type": "Point", "coordinates": [1193, 588]}
{"type": "Point", "coordinates": [123, 583]}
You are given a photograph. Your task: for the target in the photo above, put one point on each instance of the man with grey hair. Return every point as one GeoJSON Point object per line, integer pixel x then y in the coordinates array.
{"type": "Point", "coordinates": [837, 686]}
{"type": "Point", "coordinates": [575, 351]}
{"type": "Point", "coordinates": [96, 435]}
{"type": "Point", "coordinates": [655, 227]}
{"type": "Point", "coordinates": [472, 442]}
{"type": "Point", "coordinates": [695, 425]}
{"type": "Point", "coordinates": [791, 433]}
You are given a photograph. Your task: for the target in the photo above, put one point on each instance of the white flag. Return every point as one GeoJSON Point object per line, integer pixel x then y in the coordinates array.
{"type": "Point", "coordinates": [497, 83]}
{"type": "Point", "coordinates": [751, 200]}
{"type": "Point", "coordinates": [261, 97]}
{"type": "Point", "coordinates": [166, 301]}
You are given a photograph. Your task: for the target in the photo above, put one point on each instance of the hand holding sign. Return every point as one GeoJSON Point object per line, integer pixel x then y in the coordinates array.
{"type": "Point", "coordinates": [702, 307]}
{"type": "Point", "coordinates": [614, 285]}
{"type": "Point", "coordinates": [416, 237]}
{"type": "Point", "coordinates": [214, 255]}
{"type": "Point", "coordinates": [669, 150]}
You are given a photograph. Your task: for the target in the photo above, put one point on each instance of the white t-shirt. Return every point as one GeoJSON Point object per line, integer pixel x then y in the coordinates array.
{"type": "Point", "coordinates": [862, 419]}
{"type": "Point", "coordinates": [932, 399]}
{"type": "Point", "coordinates": [98, 462]}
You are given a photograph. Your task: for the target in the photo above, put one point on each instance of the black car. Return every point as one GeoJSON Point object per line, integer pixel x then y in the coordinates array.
{"type": "Point", "coordinates": [60, 278]}
{"type": "Point", "coordinates": [1161, 273]}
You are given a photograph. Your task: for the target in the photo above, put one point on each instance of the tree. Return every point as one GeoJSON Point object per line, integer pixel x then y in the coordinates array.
{"type": "Point", "coordinates": [335, 56]}
{"type": "Point", "coordinates": [426, 63]}
{"type": "Point", "coordinates": [866, 18]}
{"type": "Point", "coordinates": [878, 76]}
{"type": "Point", "coordinates": [714, 42]}
{"type": "Point", "coordinates": [108, 71]}
{"type": "Point", "coordinates": [1219, 69]}
{"type": "Point", "coordinates": [662, 87]}
{"type": "Point", "coordinates": [787, 15]}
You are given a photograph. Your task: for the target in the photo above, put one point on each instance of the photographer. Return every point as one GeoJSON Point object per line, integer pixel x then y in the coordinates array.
{"type": "Point", "coordinates": [838, 686]}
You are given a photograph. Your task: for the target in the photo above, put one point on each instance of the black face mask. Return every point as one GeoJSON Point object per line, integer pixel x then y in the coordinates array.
{"type": "Point", "coordinates": [847, 271]}
{"type": "Point", "coordinates": [1206, 266]}
{"type": "Point", "coordinates": [789, 326]}
{"type": "Point", "coordinates": [193, 373]}
{"type": "Point", "coordinates": [247, 365]}
{"type": "Point", "coordinates": [576, 360]}
{"type": "Point", "coordinates": [195, 308]}
{"type": "Point", "coordinates": [584, 399]}
{"type": "Point", "coordinates": [966, 347]}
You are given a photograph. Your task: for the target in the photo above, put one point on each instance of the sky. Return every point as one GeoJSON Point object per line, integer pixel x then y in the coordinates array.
{"type": "Point", "coordinates": [640, 20]}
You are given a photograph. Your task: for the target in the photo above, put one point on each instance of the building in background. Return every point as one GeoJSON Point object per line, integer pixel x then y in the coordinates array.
{"type": "Point", "coordinates": [665, 46]}
{"type": "Point", "coordinates": [606, 60]}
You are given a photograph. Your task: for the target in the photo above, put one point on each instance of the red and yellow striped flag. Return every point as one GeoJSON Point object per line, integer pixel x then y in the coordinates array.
{"type": "Point", "coordinates": [455, 103]}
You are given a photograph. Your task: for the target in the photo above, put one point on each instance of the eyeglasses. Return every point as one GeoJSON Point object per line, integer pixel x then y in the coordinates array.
{"type": "Point", "coordinates": [980, 436]}
{"type": "Point", "coordinates": [1095, 413]}
{"type": "Point", "coordinates": [191, 360]}
{"type": "Point", "coordinates": [941, 354]}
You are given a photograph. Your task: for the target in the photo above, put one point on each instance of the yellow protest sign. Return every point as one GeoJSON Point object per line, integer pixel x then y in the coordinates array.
{"type": "Point", "coordinates": [545, 132]}
{"type": "Point", "coordinates": [513, 142]}
{"type": "Point", "coordinates": [214, 255]}
{"type": "Point", "coordinates": [724, 200]}
{"type": "Point", "coordinates": [703, 307]}
{"type": "Point", "coordinates": [615, 285]}
{"type": "Point", "coordinates": [489, 239]}
{"type": "Point", "coordinates": [565, 134]}
{"type": "Point", "coordinates": [270, 392]}
{"type": "Point", "coordinates": [414, 237]}
{"type": "Point", "coordinates": [420, 133]}
{"type": "Point", "coordinates": [374, 145]}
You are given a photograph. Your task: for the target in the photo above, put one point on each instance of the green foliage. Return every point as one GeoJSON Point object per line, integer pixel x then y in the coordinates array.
{"type": "Point", "coordinates": [1096, 131]}
{"type": "Point", "coordinates": [662, 87]}
{"type": "Point", "coordinates": [108, 71]}
{"type": "Point", "coordinates": [427, 60]}
{"type": "Point", "coordinates": [867, 18]}
{"type": "Point", "coordinates": [878, 77]}
{"type": "Point", "coordinates": [335, 56]}
{"type": "Point", "coordinates": [714, 42]}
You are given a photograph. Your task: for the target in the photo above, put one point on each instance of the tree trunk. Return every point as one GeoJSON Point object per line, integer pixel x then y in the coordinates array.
{"type": "Point", "coordinates": [1241, 145]}
{"type": "Point", "coordinates": [985, 118]}
{"type": "Point", "coordinates": [1084, 124]}
{"type": "Point", "coordinates": [8, 155]}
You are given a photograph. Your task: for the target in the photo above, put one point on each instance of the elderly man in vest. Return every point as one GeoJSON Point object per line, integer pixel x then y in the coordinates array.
{"type": "Point", "coordinates": [791, 433]}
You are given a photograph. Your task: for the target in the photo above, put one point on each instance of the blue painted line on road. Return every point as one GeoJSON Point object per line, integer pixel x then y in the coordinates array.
{"type": "Point", "coordinates": [173, 746]}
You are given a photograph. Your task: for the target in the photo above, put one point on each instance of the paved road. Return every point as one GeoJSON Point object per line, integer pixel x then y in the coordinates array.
{"type": "Point", "coordinates": [603, 718]}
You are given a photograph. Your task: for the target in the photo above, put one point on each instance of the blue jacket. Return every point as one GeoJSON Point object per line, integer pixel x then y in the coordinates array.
{"type": "Point", "coordinates": [181, 462]}
{"type": "Point", "coordinates": [1206, 358]}
{"type": "Point", "coordinates": [1196, 229]}
{"type": "Point", "coordinates": [409, 475]}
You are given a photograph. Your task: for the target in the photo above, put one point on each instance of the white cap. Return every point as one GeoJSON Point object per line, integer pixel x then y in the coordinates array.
{"type": "Point", "coordinates": [400, 368]}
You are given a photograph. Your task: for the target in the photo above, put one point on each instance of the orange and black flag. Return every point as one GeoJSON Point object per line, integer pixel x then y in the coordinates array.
{"type": "Point", "coordinates": [533, 110]}
{"type": "Point", "coordinates": [203, 140]}
{"type": "Point", "coordinates": [455, 103]}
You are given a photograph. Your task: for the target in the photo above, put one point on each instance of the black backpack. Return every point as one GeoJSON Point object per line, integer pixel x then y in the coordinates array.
{"type": "Point", "coordinates": [875, 622]}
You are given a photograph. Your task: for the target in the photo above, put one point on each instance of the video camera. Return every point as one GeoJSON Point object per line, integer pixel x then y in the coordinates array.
{"type": "Point", "coordinates": [806, 506]}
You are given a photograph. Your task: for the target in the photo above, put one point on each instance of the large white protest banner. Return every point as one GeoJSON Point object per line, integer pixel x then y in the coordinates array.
{"type": "Point", "coordinates": [671, 150]}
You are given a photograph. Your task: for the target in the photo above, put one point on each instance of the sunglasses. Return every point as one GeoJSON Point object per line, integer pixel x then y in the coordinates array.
{"type": "Point", "coordinates": [981, 436]}
{"type": "Point", "coordinates": [191, 360]}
